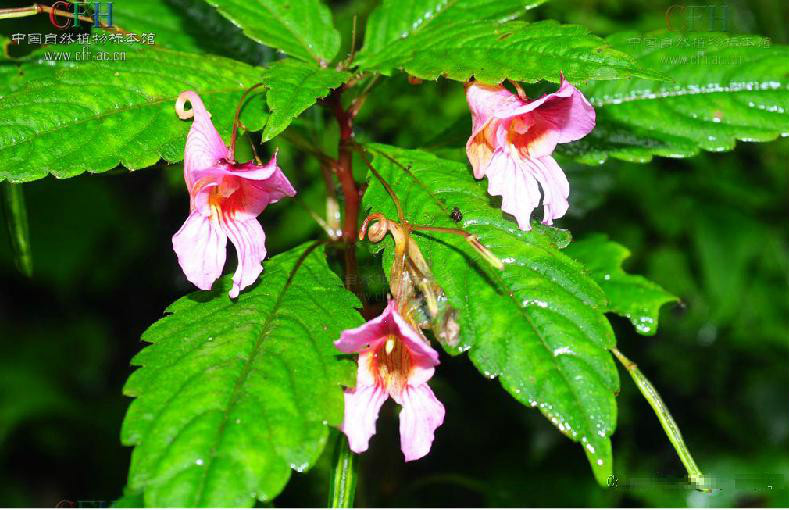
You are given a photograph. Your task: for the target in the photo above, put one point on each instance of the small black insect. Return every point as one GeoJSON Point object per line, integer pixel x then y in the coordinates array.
{"type": "Point", "coordinates": [456, 215]}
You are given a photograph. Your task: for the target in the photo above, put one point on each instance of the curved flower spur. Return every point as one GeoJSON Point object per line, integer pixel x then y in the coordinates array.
{"type": "Point", "coordinates": [512, 140]}
{"type": "Point", "coordinates": [225, 199]}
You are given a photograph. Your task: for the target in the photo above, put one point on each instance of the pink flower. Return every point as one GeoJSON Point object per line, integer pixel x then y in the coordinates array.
{"type": "Point", "coordinates": [394, 361]}
{"type": "Point", "coordinates": [512, 140]}
{"type": "Point", "coordinates": [226, 198]}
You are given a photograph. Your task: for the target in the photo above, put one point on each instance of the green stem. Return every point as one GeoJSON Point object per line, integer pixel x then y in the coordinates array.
{"type": "Point", "coordinates": [16, 220]}
{"type": "Point", "coordinates": [343, 475]}
{"type": "Point", "coordinates": [666, 420]}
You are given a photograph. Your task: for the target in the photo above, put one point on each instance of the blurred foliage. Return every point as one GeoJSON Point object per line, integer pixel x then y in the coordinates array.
{"type": "Point", "coordinates": [713, 230]}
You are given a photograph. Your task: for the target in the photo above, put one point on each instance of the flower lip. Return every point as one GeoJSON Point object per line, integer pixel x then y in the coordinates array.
{"type": "Point", "coordinates": [370, 335]}
{"type": "Point", "coordinates": [391, 363]}
{"type": "Point", "coordinates": [394, 361]}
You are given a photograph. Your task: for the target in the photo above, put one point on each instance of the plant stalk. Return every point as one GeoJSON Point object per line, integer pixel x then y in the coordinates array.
{"type": "Point", "coordinates": [350, 191]}
{"type": "Point", "coordinates": [343, 475]}
{"type": "Point", "coordinates": [345, 166]}
{"type": "Point", "coordinates": [18, 232]}
{"type": "Point", "coordinates": [666, 421]}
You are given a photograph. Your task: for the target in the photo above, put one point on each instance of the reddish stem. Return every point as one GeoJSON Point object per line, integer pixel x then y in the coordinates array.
{"type": "Point", "coordinates": [344, 166]}
{"type": "Point", "coordinates": [350, 191]}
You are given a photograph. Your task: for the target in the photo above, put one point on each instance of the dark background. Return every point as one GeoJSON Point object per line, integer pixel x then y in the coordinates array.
{"type": "Point", "coordinates": [712, 229]}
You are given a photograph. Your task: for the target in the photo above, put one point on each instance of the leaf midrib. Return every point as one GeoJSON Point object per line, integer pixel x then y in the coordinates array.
{"type": "Point", "coordinates": [236, 394]}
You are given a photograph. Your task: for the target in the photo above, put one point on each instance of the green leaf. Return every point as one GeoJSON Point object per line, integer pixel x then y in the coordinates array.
{"type": "Point", "coordinates": [188, 25]}
{"type": "Point", "coordinates": [293, 86]}
{"type": "Point", "coordinates": [539, 325]}
{"type": "Point", "coordinates": [68, 117]}
{"type": "Point", "coordinates": [231, 396]}
{"type": "Point", "coordinates": [631, 296]}
{"type": "Point", "coordinates": [300, 28]}
{"type": "Point", "coordinates": [724, 88]}
{"type": "Point", "coordinates": [492, 51]}
{"type": "Point", "coordinates": [398, 20]}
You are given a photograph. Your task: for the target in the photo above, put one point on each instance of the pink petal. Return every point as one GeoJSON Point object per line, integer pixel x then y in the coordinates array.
{"type": "Point", "coordinates": [370, 334]}
{"type": "Point", "coordinates": [567, 113]}
{"type": "Point", "coordinates": [496, 102]}
{"type": "Point", "coordinates": [200, 246]}
{"type": "Point", "coordinates": [361, 412]}
{"type": "Point", "coordinates": [479, 151]}
{"type": "Point", "coordinates": [483, 101]}
{"type": "Point", "coordinates": [204, 147]}
{"type": "Point", "coordinates": [421, 372]}
{"type": "Point", "coordinates": [251, 188]}
{"type": "Point", "coordinates": [277, 184]}
{"type": "Point", "coordinates": [422, 414]}
{"type": "Point", "coordinates": [421, 353]}
{"type": "Point", "coordinates": [363, 338]}
{"type": "Point", "coordinates": [364, 373]}
{"type": "Point", "coordinates": [257, 195]}
{"type": "Point", "coordinates": [200, 193]}
{"type": "Point", "coordinates": [486, 101]}
{"type": "Point", "coordinates": [560, 117]}
{"type": "Point", "coordinates": [249, 170]}
{"type": "Point", "coordinates": [508, 178]}
{"type": "Point", "coordinates": [555, 188]}
{"type": "Point", "coordinates": [250, 241]}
